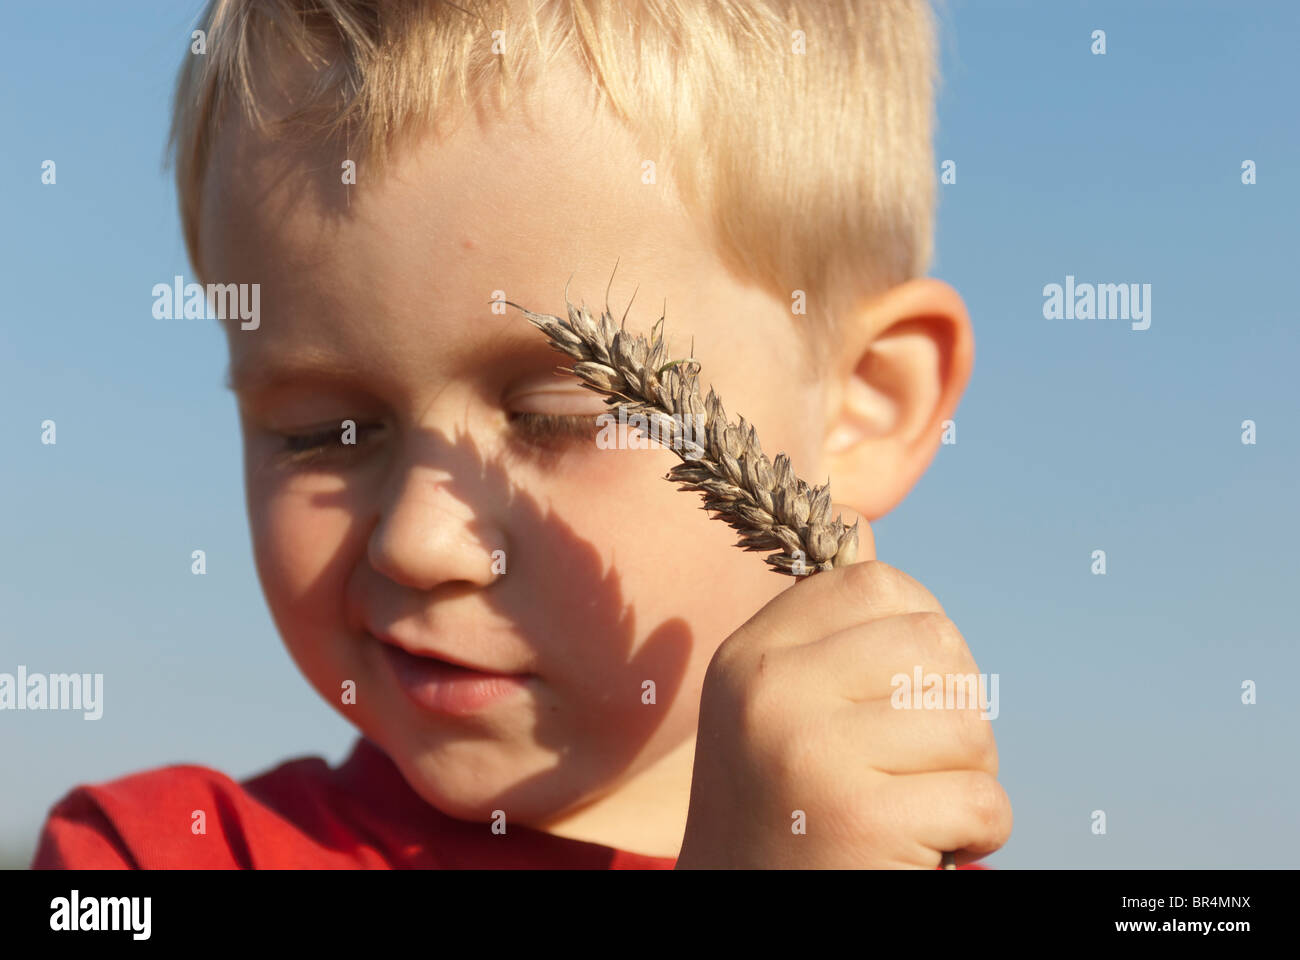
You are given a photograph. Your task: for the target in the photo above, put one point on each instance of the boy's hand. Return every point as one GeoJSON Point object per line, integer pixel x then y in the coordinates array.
{"type": "Point", "coordinates": [796, 716]}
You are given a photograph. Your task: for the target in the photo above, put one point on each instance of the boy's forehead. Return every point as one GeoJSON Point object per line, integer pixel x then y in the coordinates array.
{"type": "Point", "coordinates": [515, 204]}
{"type": "Point", "coordinates": [563, 177]}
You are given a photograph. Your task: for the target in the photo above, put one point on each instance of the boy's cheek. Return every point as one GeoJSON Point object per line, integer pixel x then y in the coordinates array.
{"type": "Point", "coordinates": [300, 551]}
{"type": "Point", "coordinates": [296, 540]}
{"type": "Point", "coordinates": [652, 546]}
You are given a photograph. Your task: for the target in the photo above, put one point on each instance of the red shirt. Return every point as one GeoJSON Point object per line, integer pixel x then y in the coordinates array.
{"type": "Point", "coordinates": [301, 814]}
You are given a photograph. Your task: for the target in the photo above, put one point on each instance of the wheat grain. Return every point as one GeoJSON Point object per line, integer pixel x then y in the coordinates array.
{"type": "Point", "coordinates": [764, 500]}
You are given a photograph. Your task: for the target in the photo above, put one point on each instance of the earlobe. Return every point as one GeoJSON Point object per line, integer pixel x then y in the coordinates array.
{"type": "Point", "coordinates": [908, 356]}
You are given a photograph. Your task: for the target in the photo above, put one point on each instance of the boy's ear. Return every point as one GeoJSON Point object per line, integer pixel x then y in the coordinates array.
{"type": "Point", "coordinates": [905, 359]}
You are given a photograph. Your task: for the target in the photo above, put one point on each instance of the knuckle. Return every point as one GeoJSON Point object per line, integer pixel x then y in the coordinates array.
{"type": "Point", "coordinates": [724, 686]}
{"type": "Point", "coordinates": [938, 637]}
{"type": "Point", "coordinates": [722, 661]}
{"type": "Point", "coordinates": [874, 586]}
{"type": "Point", "coordinates": [975, 734]}
{"type": "Point", "coordinates": [741, 661]}
{"type": "Point", "coordinates": [730, 661]}
{"type": "Point", "coordinates": [990, 806]}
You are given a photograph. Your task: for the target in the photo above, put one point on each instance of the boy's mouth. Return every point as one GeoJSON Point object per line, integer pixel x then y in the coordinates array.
{"type": "Point", "coordinates": [443, 686]}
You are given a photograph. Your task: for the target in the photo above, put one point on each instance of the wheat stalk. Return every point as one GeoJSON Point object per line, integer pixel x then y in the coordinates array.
{"type": "Point", "coordinates": [771, 507]}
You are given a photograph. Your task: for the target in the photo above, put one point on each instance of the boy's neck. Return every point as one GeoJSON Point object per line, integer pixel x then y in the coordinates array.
{"type": "Point", "coordinates": [645, 815]}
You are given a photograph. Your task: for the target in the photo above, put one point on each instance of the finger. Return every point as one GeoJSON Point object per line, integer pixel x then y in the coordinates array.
{"type": "Point", "coordinates": [905, 740]}
{"type": "Point", "coordinates": [965, 811]}
{"type": "Point", "coordinates": [888, 658]}
{"type": "Point", "coordinates": [825, 603]}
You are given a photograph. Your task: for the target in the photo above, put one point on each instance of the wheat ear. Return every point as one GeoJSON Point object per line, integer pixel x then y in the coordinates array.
{"type": "Point", "coordinates": [771, 507]}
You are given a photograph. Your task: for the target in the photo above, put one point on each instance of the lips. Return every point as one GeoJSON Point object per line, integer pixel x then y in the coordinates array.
{"type": "Point", "coordinates": [449, 660]}
{"type": "Point", "coordinates": [446, 687]}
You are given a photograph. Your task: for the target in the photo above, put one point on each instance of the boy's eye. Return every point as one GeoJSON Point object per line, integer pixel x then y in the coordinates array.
{"type": "Point", "coordinates": [544, 430]}
{"type": "Point", "coordinates": [298, 448]}
{"type": "Point", "coordinates": [552, 427]}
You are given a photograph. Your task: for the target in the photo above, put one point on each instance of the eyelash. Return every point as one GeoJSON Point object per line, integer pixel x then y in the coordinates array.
{"type": "Point", "coordinates": [544, 431]}
{"type": "Point", "coordinates": [544, 427]}
{"type": "Point", "coordinates": [302, 448]}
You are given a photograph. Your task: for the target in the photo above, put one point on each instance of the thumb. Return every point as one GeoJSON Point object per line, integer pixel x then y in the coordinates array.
{"type": "Point", "coordinates": [866, 539]}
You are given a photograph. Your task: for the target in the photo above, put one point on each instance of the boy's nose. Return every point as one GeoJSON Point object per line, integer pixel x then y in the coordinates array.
{"type": "Point", "coordinates": [427, 536]}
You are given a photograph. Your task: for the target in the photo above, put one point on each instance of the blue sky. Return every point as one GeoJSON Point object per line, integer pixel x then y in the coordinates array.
{"type": "Point", "coordinates": [1119, 692]}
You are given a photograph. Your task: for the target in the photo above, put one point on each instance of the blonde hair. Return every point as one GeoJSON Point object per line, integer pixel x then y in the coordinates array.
{"type": "Point", "coordinates": [813, 170]}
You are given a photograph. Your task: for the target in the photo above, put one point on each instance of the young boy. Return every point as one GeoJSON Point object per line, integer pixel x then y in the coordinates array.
{"type": "Point", "coordinates": [555, 659]}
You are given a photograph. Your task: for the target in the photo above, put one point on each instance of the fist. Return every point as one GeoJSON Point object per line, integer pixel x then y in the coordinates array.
{"type": "Point", "coordinates": [806, 756]}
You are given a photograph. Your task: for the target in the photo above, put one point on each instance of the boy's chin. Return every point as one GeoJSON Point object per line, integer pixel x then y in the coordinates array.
{"type": "Point", "coordinates": [469, 791]}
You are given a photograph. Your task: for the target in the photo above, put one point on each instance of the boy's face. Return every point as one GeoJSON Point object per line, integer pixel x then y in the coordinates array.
{"type": "Point", "coordinates": [375, 308]}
